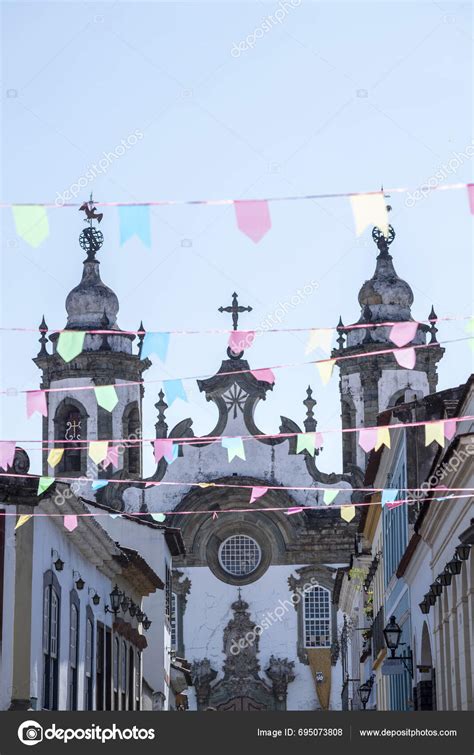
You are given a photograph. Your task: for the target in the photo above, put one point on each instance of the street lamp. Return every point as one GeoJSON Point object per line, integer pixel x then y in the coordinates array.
{"type": "Point", "coordinates": [392, 634]}
{"type": "Point", "coordinates": [79, 581]}
{"type": "Point", "coordinates": [455, 565]}
{"type": "Point", "coordinates": [424, 606]}
{"type": "Point", "coordinates": [133, 608]}
{"type": "Point", "coordinates": [462, 551]}
{"type": "Point", "coordinates": [125, 604]}
{"type": "Point", "coordinates": [445, 577]}
{"type": "Point", "coordinates": [58, 564]}
{"type": "Point", "coordinates": [436, 588]}
{"type": "Point", "coordinates": [365, 690]}
{"type": "Point", "coordinates": [115, 597]}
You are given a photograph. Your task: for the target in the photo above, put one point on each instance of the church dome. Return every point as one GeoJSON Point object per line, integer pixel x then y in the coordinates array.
{"type": "Point", "coordinates": [87, 302]}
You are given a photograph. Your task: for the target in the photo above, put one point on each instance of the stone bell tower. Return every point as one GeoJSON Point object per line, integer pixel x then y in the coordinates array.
{"type": "Point", "coordinates": [107, 358]}
{"type": "Point", "coordinates": [368, 385]}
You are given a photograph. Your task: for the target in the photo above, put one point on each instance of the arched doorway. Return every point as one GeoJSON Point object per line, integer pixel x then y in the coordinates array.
{"type": "Point", "coordinates": [426, 685]}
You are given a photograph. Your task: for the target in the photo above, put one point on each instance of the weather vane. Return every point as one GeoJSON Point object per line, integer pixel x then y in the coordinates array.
{"type": "Point", "coordinates": [382, 241]}
{"type": "Point", "coordinates": [91, 239]}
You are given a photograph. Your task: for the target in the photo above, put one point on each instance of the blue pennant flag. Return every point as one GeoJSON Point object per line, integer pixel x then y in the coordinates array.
{"type": "Point", "coordinates": [135, 221]}
{"type": "Point", "coordinates": [98, 484]}
{"type": "Point", "coordinates": [389, 496]}
{"type": "Point", "coordinates": [174, 389]}
{"type": "Point", "coordinates": [155, 343]}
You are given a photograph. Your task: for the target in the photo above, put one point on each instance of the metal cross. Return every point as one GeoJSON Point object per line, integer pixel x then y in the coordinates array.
{"type": "Point", "coordinates": [234, 310]}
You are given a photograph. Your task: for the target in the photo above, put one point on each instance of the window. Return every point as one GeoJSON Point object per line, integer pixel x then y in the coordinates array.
{"type": "Point", "coordinates": [51, 619]}
{"type": "Point", "coordinates": [123, 677]}
{"type": "Point", "coordinates": [167, 592]}
{"type": "Point", "coordinates": [239, 555]}
{"type": "Point", "coordinates": [131, 678]}
{"type": "Point", "coordinates": [174, 621]}
{"type": "Point", "coordinates": [116, 671]}
{"type": "Point", "coordinates": [395, 521]}
{"type": "Point", "coordinates": [132, 430]}
{"type": "Point", "coordinates": [99, 666]}
{"type": "Point", "coordinates": [70, 428]}
{"type": "Point", "coordinates": [73, 649]}
{"type": "Point", "coordinates": [89, 661]}
{"type": "Point", "coordinates": [317, 618]}
{"type": "Point", "coordinates": [138, 674]}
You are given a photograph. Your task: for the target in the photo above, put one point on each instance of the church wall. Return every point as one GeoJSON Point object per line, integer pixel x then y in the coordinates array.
{"type": "Point", "coordinates": [393, 381]}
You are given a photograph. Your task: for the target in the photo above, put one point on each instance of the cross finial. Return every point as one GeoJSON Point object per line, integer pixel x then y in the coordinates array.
{"type": "Point", "coordinates": [234, 310]}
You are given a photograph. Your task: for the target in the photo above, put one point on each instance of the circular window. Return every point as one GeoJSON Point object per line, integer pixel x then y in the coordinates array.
{"type": "Point", "coordinates": [239, 555]}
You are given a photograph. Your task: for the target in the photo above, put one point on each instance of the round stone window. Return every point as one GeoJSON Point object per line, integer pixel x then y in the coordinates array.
{"type": "Point", "coordinates": [239, 555]}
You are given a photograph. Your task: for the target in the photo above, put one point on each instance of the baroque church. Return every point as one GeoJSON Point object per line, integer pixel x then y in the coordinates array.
{"type": "Point", "coordinates": [251, 597]}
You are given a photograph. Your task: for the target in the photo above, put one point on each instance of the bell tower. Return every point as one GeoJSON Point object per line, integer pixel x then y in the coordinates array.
{"type": "Point", "coordinates": [107, 358]}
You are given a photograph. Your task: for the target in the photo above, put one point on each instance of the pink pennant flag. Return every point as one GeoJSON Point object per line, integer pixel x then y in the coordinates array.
{"type": "Point", "coordinates": [214, 515]}
{"type": "Point", "coordinates": [163, 448]}
{"type": "Point", "coordinates": [294, 510]}
{"type": "Point", "coordinates": [257, 493]}
{"type": "Point", "coordinates": [70, 522]}
{"type": "Point", "coordinates": [265, 375]}
{"type": "Point", "coordinates": [403, 332]}
{"type": "Point", "coordinates": [470, 194]}
{"type": "Point", "coordinates": [450, 428]}
{"type": "Point", "coordinates": [112, 457]}
{"type": "Point", "coordinates": [318, 440]}
{"type": "Point", "coordinates": [36, 402]}
{"type": "Point", "coordinates": [253, 218]}
{"type": "Point", "coordinates": [239, 340]}
{"type": "Point", "coordinates": [406, 358]}
{"type": "Point", "coordinates": [367, 438]}
{"type": "Point", "coordinates": [7, 453]}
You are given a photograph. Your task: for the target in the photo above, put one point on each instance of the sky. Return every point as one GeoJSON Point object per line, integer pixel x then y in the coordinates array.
{"type": "Point", "coordinates": [234, 100]}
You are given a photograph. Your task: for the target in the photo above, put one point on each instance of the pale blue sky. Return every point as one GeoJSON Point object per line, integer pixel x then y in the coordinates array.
{"type": "Point", "coordinates": [338, 97]}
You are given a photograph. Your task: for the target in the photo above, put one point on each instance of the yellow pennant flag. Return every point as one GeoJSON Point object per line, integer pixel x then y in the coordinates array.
{"type": "Point", "coordinates": [348, 513]}
{"type": "Point", "coordinates": [55, 456]}
{"type": "Point", "coordinates": [325, 370]}
{"type": "Point", "coordinates": [98, 450]}
{"type": "Point", "coordinates": [434, 431]}
{"type": "Point", "coordinates": [321, 338]}
{"type": "Point", "coordinates": [370, 209]}
{"type": "Point", "coordinates": [31, 223]}
{"type": "Point", "coordinates": [22, 519]}
{"type": "Point", "coordinates": [383, 438]}
{"type": "Point", "coordinates": [206, 484]}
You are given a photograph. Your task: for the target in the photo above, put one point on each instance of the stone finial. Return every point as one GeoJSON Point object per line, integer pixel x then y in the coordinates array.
{"type": "Point", "coordinates": [433, 317]}
{"type": "Point", "coordinates": [161, 426]}
{"type": "Point", "coordinates": [141, 332]}
{"type": "Point", "coordinates": [341, 336]}
{"type": "Point", "coordinates": [105, 325]}
{"type": "Point", "coordinates": [310, 423]}
{"type": "Point", "coordinates": [43, 329]}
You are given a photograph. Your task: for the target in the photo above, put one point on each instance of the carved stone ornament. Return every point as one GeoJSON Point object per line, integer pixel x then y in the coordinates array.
{"type": "Point", "coordinates": [280, 671]}
{"type": "Point", "coordinates": [202, 675]}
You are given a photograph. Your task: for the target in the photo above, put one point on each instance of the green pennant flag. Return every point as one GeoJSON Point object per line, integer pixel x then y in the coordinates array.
{"type": "Point", "coordinates": [106, 396]}
{"type": "Point", "coordinates": [158, 517]}
{"type": "Point", "coordinates": [329, 496]}
{"type": "Point", "coordinates": [44, 483]}
{"type": "Point", "coordinates": [31, 223]}
{"type": "Point", "coordinates": [70, 344]}
{"type": "Point", "coordinates": [306, 442]}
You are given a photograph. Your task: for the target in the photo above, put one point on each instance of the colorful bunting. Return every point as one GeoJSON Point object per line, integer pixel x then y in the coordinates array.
{"type": "Point", "coordinates": [55, 456]}
{"type": "Point", "coordinates": [7, 453]}
{"type": "Point", "coordinates": [206, 484]}
{"type": "Point", "coordinates": [115, 516]}
{"type": "Point", "coordinates": [383, 438]}
{"type": "Point", "coordinates": [135, 221]}
{"type": "Point", "coordinates": [112, 457]}
{"type": "Point", "coordinates": [348, 513]}
{"type": "Point", "coordinates": [403, 332]}
{"type": "Point", "coordinates": [239, 340]}
{"type": "Point", "coordinates": [70, 344]}
{"type": "Point", "coordinates": [325, 370]}
{"type": "Point", "coordinates": [235, 448]}
{"type": "Point", "coordinates": [306, 442]}
{"type": "Point", "coordinates": [265, 375]}
{"type": "Point", "coordinates": [388, 496]}
{"type": "Point", "coordinates": [450, 428]}
{"type": "Point", "coordinates": [257, 492]}
{"type": "Point", "coordinates": [164, 448]}
{"type": "Point", "coordinates": [434, 431]}
{"type": "Point", "coordinates": [155, 343]}
{"type": "Point", "coordinates": [31, 223]}
{"type": "Point", "coordinates": [370, 209]}
{"type": "Point", "coordinates": [253, 218]}
{"type": "Point", "coordinates": [405, 358]}
{"type": "Point", "coordinates": [470, 196]}
{"type": "Point", "coordinates": [98, 484]}
{"type": "Point", "coordinates": [106, 397]}
{"type": "Point", "coordinates": [44, 483]}
{"type": "Point", "coordinates": [22, 519]}
{"type": "Point", "coordinates": [294, 510]}
{"type": "Point", "coordinates": [368, 438]}
{"type": "Point", "coordinates": [36, 402]}
{"type": "Point", "coordinates": [329, 496]}
{"type": "Point", "coordinates": [174, 389]}
{"type": "Point", "coordinates": [321, 339]}
{"type": "Point", "coordinates": [98, 450]}
{"type": "Point", "coordinates": [70, 522]}
{"type": "Point", "coordinates": [158, 517]}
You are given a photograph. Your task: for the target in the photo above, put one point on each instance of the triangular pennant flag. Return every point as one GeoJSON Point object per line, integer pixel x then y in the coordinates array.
{"type": "Point", "coordinates": [405, 357]}
{"type": "Point", "coordinates": [329, 496]}
{"type": "Point", "coordinates": [205, 484]}
{"type": "Point", "coordinates": [306, 442]}
{"type": "Point", "coordinates": [98, 484]}
{"type": "Point", "coordinates": [55, 456]}
{"type": "Point", "coordinates": [368, 438]}
{"type": "Point", "coordinates": [257, 492]}
{"type": "Point", "coordinates": [174, 389]}
{"type": "Point", "coordinates": [106, 397]}
{"type": "Point", "coordinates": [470, 196]}
{"type": "Point", "coordinates": [112, 457]}
{"type": "Point", "coordinates": [158, 517]}
{"type": "Point", "coordinates": [98, 450]}
{"type": "Point", "coordinates": [388, 496]}
{"type": "Point", "coordinates": [253, 218]}
{"type": "Point", "coordinates": [321, 339]}
{"type": "Point", "coordinates": [235, 448]}
{"type": "Point", "coordinates": [265, 375]}
{"type": "Point", "coordinates": [70, 522]}
{"type": "Point", "coordinates": [403, 332]}
{"type": "Point", "coordinates": [370, 209]}
{"type": "Point", "coordinates": [155, 343]}
{"type": "Point", "coordinates": [44, 483]}
{"type": "Point", "coordinates": [70, 344]}
{"type": "Point", "coordinates": [239, 340]}
{"type": "Point", "coordinates": [294, 510]}
{"type": "Point", "coordinates": [450, 428]}
{"type": "Point", "coordinates": [22, 519]}
{"type": "Point", "coordinates": [7, 453]}
{"type": "Point", "coordinates": [348, 513]}
{"type": "Point", "coordinates": [31, 223]}
{"type": "Point", "coordinates": [164, 448]}
{"type": "Point", "coordinates": [36, 402]}
{"type": "Point", "coordinates": [325, 370]}
{"type": "Point", "coordinates": [114, 516]}
{"type": "Point", "coordinates": [434, 431]}
{"type": "Point", "coordinates": [135, 221]}
{"type": "Point", "coordinates": [318, 440]}
{"type": "Point", "coordinates": [214, 515]}
{"type": "Point", "coordinates": [383, 438]}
